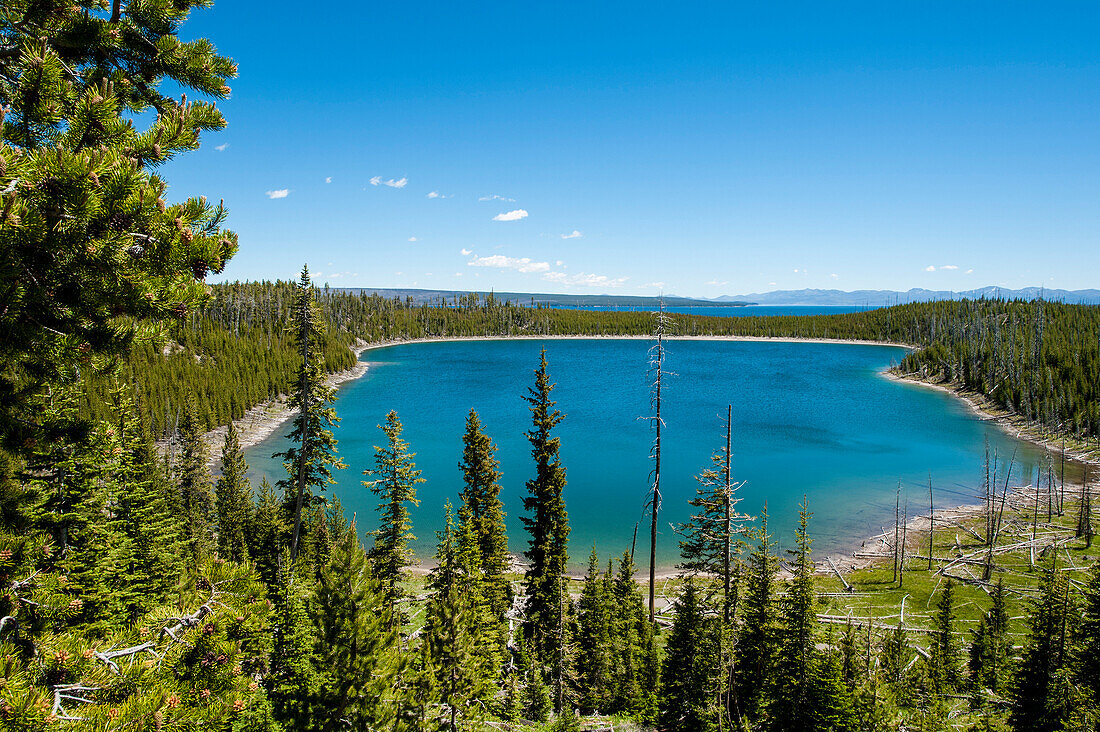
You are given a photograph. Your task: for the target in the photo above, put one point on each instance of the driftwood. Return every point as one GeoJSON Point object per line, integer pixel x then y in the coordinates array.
{"type": "Point", "coordinates": [843, 581]}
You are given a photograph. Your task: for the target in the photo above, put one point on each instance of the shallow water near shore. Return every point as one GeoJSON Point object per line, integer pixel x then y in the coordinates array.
{"type": "Point", "coordinates": [811, 419]}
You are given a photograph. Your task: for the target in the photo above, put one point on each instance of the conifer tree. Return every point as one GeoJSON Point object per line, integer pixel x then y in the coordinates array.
{"type": "Point", "coordinates": [534, 702]}
{"type": "Point", "coordinates": [689, 679]}
{"type": "Point", "coordinates": [944, 666]}
{"type": "Point", "coordinates": [396, 478]}
{"type": "Point", "coordinates": [989, 647]}
{"type": "Point", "coordinates": [635, 668]}
{"type": "Point", "coordinates": [233, 500]}
{"type": "Point", "coordinates": [1087, 661]}
{"type": "Point", "coordinates": [1046, 656]}
{"type": "Point", "coordinates": [481, 496]}
{"type": "Point", "coordinates": [808, 692]}
{"type": "Point", "coordinates": [547, 523]}
{"type": "Point", "coordinates": [756, 647]}
{"type": "Point", "coordinates": [310, 458]}
{"type": "Point", "coordinates": [145, 512]}
{"type": "Point", "coordinates": [358, 644]}
{"type": "Point", "coordinates": [267, 534]}
{"type": "Point", "coordinates": [594, 657]}
{"type": "Point", "coordinates": [196, 500]}
{"type": "Point", "coordinates": [712, 537]}
{"type": "Point", "coordinates": [92, 256]}
{"type": "Point", "coordinates": [459, 669]}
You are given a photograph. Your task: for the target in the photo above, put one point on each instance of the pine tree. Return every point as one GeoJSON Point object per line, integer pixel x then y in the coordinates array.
{"type": "Point", "coordinates": [689, 679]}
{"type": "Point", "coordinates": [461, 676]}
{"type": "Point", "coordinates": [312, 454]}
{"type": "Point", "coordinates": [233, 500]}
{"type": "Point", "coordinates": [91, 255]}
{"type": "Point", "coordinates": [196, 500]}
{"type": "Point", "coordinates": [481, 496]}
{"type": "Point", "coordinates": [395, 484]}
{"type": "Point", "coordinates": [547, 524]}
{"type": "Point", "coordinates": [756, 648]}
{"type": "Point", "coordinates": [944, 665]}
{"type": "Point", "coordinates": [1045, 658]}
{"type": "Point", "coordinates": [534, 702]}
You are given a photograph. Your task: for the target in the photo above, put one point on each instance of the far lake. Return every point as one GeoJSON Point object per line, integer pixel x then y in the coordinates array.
{"type": "Point", "coordinates": [810, 419]}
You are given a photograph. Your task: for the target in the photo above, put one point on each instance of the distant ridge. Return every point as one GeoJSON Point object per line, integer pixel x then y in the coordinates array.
{"type": "Point", "coordinates": [879, 298]}
{"type": "Point", "coordinates": [526, 298]}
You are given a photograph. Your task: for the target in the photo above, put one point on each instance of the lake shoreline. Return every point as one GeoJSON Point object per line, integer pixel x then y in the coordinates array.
{"type": "Point", "coordinates": [263, 420]}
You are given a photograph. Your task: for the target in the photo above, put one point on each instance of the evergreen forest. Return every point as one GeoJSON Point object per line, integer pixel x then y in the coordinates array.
{"type": "Point", "coordinates": [139, 592]}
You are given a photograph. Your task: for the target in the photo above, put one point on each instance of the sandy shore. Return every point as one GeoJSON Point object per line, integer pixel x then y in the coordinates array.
{"type": "Point", "coordinates": [1014, 425]}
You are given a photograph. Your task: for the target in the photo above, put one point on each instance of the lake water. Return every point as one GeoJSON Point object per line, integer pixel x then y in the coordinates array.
{"type": "Point", "coordinates": [809, 419]}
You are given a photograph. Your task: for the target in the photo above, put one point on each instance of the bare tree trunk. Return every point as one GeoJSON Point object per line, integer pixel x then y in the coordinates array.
{"type": "Point", "coordinates": [726, 538]}
{"type": "Point", "coordinates": [931, 522]}
{"type": "Point", "coordinates": [897, 529]}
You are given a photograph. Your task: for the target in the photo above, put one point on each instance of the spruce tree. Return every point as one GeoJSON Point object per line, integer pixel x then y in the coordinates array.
{"type": "Point", "coordinates": [1087, 661]}
{"type": "Point", "coordinates": [310, 458]}
{"type": "Point", "coordinates": [358, 644]}
{"type": "Point", "coordinates": [461, 675]}
{"type": "Point", "coordinates": [944, 666]}
{"type": "Point", "coordinates": [547, 523]}
{"type": "Point", "coordinates": [481, 496]}
{"type": "Point", "coordinates": [1045, 658]}
{"type": "Point", "coordinates": [267, 534]}
{"type": "Point", "coordinates": [808, 692]}
{"type": "Point", "coordinates": [396, 478]}
{"type": "Point", "coordinates": [594, 657]}
{"type": "Point", "coordinates": [689, 678]}
{"type": "Point", "coordinates": [989, 647]}
{"type": "Point", "coordinates": [635, 668]}
{"type": "Point", "coordinates": [193, 481]}
{"type": "Point", "coordinates": [713, 536]}
{"type": "Point", "coordinates": [756, 646]}
{"type": "Point", "coordinates": [233, 500]}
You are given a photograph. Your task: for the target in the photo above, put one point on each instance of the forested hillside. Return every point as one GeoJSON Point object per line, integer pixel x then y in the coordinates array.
{"type": "Point", "coordinates": [1038, 359]}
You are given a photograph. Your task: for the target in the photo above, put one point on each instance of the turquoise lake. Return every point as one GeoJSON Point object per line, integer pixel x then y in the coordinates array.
{"type": "Point", "coordinates": [810, 419]}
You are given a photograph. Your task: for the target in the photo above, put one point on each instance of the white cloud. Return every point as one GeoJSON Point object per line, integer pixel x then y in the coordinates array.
{"type": "Point", "coordinates": [281, 193]}
{"type": "Point", "coordinates": [658, 285]}
{"type": "Point", "coordinates": [458, 274]}
{"type": "Point", "coordinates": [969, 271]}
{"type": "Point", "coordinates": [328, 179]}
{"type": "Point", "coordinates": [399, 183]}
{"type": "Point", "coordinates": [413, 238]}
{"type": "Point", "coordinates": [584, 279]}
{"type": "Point", "coordinates": [575, 235]}
{"type": "Point", "coordinates": [222, 147]}
{"type": "Point", "coordinates": [433, 194]}
{"type": "Point", "coordinates": [835, 276]}
{"type": "Point", "coordinates": [771, 284]}
{"type": "Point", "coordinates": [716, 282]}
{"type": "Point", "coordinates": [465, 252]}
{"type": "Point", "coordinates": [559, 263]}
{"type": "Point", "coordinates": [949, 266]}
{"type": "Point", "coordinates": [499, 261]}
{"type": "Point", "coordinates": [516, 215]}
{"type": "Point", "coordinates": [930, 268]}
{"type": "Point", "coordinates": [495, 197]}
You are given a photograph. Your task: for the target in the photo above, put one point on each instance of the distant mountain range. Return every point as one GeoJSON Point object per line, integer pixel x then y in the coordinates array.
{"type": "Point", "coordinates": [879, 298]}
{"type": "Point", "coordinates": [528, 298]}
{"type": "Point", "coordinates": [820, 298]}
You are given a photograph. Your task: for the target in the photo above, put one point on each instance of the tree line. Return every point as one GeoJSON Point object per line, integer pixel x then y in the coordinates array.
{"type": "Point", "coordinates": [1036, 359]}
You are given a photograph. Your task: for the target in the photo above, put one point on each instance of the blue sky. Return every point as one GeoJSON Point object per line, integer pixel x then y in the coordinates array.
{"type": "Point", "coordinates": [692, 149]}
